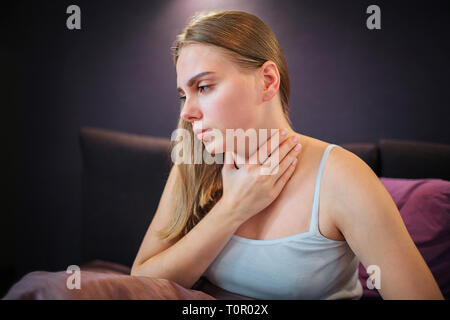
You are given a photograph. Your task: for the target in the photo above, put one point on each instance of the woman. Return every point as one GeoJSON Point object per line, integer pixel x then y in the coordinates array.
{"type": "Point", "coordinates": [258, 235]}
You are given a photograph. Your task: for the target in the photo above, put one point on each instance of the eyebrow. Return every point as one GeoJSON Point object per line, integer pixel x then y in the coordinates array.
{"type": "Point", "coordinates": [194, 78]}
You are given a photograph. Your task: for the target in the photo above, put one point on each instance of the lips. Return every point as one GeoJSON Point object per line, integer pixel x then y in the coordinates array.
{"type": "Point", "coordinates": [202, 133]}
{"type": "Point", "coordinates": [198, 131]}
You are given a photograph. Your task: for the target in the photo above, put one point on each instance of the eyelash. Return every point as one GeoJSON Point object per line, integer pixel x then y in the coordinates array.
{"type": "Point", "coordinates": [184, 98]}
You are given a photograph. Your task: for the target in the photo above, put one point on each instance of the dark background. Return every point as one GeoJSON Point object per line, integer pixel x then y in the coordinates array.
{"type": "Point", "coordinates": [348, 84]}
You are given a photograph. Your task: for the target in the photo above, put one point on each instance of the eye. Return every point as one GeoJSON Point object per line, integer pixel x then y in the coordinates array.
{"type": "Point", "coordinates": [203, 88]}
{"type": "Point", "coordinates": [183, 98]}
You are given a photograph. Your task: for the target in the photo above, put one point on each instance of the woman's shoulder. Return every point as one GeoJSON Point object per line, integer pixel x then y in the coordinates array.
{"type": "Point", "coordinates": [315, 148]}
{"type": "Point", "coordinates": [338, 161]}
{"type": "Point", "coordinates": [342, 171]}
{"type": "Point", "coordinates": [341, 168]}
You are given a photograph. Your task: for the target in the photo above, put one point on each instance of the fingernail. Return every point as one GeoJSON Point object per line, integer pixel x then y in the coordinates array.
{"type": "Point", "coordinates": [283, 132]}
{"type": "Point", "coordinates": [295, 139]}
{"type": "Point", "coordinates": [294, 161]}
{"type": "Point", "coordinates": [297, 147]}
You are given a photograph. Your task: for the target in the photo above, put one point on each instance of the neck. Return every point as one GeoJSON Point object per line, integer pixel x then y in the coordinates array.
{"type": "Point", "coordinates": [269, 123]}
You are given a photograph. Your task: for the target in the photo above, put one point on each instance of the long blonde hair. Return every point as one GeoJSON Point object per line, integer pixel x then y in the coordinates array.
{"type": "Point", "coordinates": [249, 43]}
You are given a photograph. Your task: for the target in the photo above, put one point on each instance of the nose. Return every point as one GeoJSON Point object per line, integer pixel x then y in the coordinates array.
{"type": "Point", "coordinates": [190, 112]}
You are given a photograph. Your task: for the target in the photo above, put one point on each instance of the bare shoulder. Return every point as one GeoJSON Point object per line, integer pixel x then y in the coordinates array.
{"type": "Point", "coordinates": [344, 172]}
{"type": "Point", "coordinates": [344, 167]}
{"type": "Point", "coordinates": [331, 181]}
{"type": "Point", "coordinates": [338, 160]}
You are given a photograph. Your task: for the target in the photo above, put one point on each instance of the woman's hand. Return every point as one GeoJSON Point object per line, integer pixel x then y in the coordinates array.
{"type": "Point", "coordinates": [252, 187]}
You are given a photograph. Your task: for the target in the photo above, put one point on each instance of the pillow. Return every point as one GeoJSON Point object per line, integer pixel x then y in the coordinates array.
{"type": "Point", "coordinates": [424, 206]}
{"type": "Point", "coordinates": [100, 280]}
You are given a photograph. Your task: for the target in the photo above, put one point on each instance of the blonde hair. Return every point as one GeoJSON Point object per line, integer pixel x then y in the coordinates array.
{"type": "Point", "coordinates": [250, 43]}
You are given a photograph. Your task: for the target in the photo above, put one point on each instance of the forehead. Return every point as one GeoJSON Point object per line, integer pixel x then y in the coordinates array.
{"type": "Point", "coordinates": [196, 58]}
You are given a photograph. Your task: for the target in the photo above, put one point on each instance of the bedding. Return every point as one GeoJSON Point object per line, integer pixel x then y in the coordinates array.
{"type": "Point", "coordinates": [100, 280]}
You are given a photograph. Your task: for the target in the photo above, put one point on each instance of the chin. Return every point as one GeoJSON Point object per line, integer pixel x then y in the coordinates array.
{"type": "Point", "coordinates": [212, 147]}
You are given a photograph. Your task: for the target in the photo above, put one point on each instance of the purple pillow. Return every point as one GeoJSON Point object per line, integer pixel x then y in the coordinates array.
{"type": "Point", "coordinates": [424, 205]}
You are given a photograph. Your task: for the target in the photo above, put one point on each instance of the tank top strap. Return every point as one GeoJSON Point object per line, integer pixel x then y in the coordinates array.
{"type": "Point", "coordinates": [314, 221]}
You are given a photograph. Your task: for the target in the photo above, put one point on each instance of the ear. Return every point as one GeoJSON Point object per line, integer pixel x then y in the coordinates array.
{"type": "Point", "coordinates": [271, 80]}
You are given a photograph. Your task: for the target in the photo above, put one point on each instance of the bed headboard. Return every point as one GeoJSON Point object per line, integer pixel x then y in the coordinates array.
{"type": "Point", "coordinates": [122, 181]}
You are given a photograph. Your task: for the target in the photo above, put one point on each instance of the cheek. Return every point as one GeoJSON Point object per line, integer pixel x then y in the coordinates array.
{"type": "Point", "coordinates": [231, 107]}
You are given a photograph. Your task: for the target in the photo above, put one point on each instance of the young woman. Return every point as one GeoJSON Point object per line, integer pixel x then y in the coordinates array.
{"type": "Point", "coordinates": [296, 234]}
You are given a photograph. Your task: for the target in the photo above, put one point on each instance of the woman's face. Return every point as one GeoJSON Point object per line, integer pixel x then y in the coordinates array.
{"type": "Point", "coordinates": [217, 94]}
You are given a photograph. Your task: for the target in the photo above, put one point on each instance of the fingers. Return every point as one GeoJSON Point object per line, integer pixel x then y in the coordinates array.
{"type": "Point", "coordinates": [287, 174]}
{"type": "Point", "coordinates": [290, 159]}
{"type": "Point", "coordinates": [277, 157]}
{"type": "Point", "coordinates": [268, 147]}
{"type": "Point", "coordinates": [286, 169]}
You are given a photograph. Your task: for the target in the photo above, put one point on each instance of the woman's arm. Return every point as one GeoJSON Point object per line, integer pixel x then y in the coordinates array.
{"type": "Point", "coordinates": [245, 193]}
{"type": "Point", "coordinates": [367, 216]}
{"type": "Point", "coordinates": [184, 260]}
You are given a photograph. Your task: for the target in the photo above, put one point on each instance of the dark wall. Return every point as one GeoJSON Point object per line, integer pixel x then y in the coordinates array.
{"type": "Point", "coordinates": [348, 84]}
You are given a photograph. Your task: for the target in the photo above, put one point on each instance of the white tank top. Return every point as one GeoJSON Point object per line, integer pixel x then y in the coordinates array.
{"type": "Point", "coordinates": [302, 266]}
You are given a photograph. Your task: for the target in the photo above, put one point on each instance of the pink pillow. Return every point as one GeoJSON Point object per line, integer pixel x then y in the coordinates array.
{"type": "Point", "coordinates": [100, 280]}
